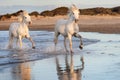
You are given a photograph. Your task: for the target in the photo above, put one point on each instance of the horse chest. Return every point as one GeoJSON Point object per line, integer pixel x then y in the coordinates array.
{"type": "Point", "coordinates": [72, 28]}
{"type": "Point", "coordinates": [22, 31]}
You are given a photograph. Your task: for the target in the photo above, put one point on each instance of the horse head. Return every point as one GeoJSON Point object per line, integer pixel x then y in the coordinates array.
{"type": "Point", "coordinates": [74, 12]}
{"type": "Point", "coordinates": [25, 17]}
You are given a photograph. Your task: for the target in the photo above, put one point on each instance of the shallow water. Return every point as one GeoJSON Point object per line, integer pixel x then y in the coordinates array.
{"type": "Point", "coordinates": [99, 60]}
{"type": "Point", "coordinates": [44, 47]}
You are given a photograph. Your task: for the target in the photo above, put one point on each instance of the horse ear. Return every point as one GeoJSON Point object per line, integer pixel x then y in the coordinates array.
{"type": "Point", "coordinates": [25, 13]}
{"type": "Point", "coordinates": [73, 7]}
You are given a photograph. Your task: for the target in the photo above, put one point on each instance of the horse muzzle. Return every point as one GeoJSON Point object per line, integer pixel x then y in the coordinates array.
{"type": "Point", "coordinates": [76, 20]}
{"type": "Point", "coordinates": [29, 22]}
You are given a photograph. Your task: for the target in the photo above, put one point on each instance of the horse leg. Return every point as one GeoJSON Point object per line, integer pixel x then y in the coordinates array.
{"type": "Point", "coordinates": [65, 44]}
{"type": "Point", "coordinates": [56, 37]}
{"type": "Point", "coordinates": [17, 41]}
{"type": "Point", "coordinates": [10, 42]}
{"type": "Point", "coordinates": [20, 41]}
{"type": "Point", "coordinates": [70, 42]}
{"type": "Point", "coordinates": [80, 37]}
{"type": "Point", "coordinates": [33, 44]}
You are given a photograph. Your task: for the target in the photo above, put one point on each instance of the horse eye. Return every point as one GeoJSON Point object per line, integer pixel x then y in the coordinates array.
{"type": "Point", "coordinates": [25, 17]}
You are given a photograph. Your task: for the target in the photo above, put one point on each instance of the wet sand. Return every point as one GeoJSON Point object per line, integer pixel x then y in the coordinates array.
{"type": "Point", "coordinates": [103, 24]}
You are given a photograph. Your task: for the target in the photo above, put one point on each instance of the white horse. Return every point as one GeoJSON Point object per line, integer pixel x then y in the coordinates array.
{"type": "Point", "coordinates": [68, 28]}
{"type": "Point", "coordinates": [19, 30]}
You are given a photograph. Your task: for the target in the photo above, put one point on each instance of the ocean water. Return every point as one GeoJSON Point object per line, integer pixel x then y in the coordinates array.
{"type": "Point", "coordinates": [98, 60]}
{"type": "Point", "coordinates": [44, 45]}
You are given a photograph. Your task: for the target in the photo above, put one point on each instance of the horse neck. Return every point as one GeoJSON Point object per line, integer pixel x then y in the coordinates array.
{"type": "Point", "coordinates": [71, 19]}
{"type": "Point", "coordinates": [24, 22]}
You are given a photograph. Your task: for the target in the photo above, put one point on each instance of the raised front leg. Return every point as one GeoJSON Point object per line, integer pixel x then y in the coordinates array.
{"type": "Point", "coordinates": [33, 44]}
{"type": "Point", "coordinates": [70, 42]}
{"type": "Point", "coordinates": [81, 42]}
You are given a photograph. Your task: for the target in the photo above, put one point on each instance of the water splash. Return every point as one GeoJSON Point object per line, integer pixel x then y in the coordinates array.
{"type": "Point", "coordinates": [44, 47]}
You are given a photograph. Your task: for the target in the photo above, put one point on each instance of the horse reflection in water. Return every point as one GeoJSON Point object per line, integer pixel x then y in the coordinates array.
{"type": "Point", "coordinates": [22, 71]}
{"type": "Point", "coordinates": [70, 72]}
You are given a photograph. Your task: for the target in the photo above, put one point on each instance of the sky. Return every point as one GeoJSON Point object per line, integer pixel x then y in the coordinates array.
{"type": "Point", "coordinates": [10, 6]}
{"type": "Point", "coordinates": [83, 3]}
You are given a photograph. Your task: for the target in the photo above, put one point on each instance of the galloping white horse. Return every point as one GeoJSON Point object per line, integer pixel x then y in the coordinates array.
{"type": "Point", "coordinates": [19, 30]}
{"type": "Point", "coordinates": [68, 28]}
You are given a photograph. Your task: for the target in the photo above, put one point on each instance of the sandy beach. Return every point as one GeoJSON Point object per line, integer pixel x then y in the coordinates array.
{"type": "Point", "coordinates": [103, 23]}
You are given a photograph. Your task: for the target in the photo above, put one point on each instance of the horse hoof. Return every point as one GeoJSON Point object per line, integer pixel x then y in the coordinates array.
{"type": "Point", "coordinates": [67, 51]}
{"type": "Point", "coordinates": [72, 52]}
{"type": "Point", "coordinates": [33, 47]}
{"type": "Point", "coordinates": [81, 46]}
